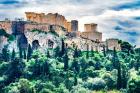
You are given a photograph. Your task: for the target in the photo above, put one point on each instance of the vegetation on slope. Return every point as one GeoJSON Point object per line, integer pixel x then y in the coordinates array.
{"type": "Point", "coordinates": [69, 70]}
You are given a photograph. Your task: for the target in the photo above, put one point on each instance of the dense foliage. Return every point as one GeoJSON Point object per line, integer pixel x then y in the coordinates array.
{"type": "Point", "coordinates": [69, 70]}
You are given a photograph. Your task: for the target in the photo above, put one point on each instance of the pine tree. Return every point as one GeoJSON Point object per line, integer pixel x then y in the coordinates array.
{"type": "Point", "coordinates": [13, 55]}
{"type": "Point", "coordinates": [76, 54]}
{"type": "Point", "coordinates": [124, 76]}
{"type": "Point", "coordinates": [5, 54]}
{"type": "Point", "coordinates": [75, 80]}
{"type": "Point", "coordinates": [14, 70]}
{"type": "Point", "coordinates": [57, 52]}
{"type": "Point", "coordinates": [66, 59]}
{"type": "Point", "coordinates": [92, 52]}
{"type": "Point", "coordinates": [76, 66]}
{"type": "Point", "coordinates": [29, 53]}
{"type": "Point", "coordinates": [62, 48]}
{"type": "Point", "coordinates": [104, 51]}
{"type": "Point", "coordinates": [46, 68]}
{"type": "Point", "coordinates": [20, 53]}
{"type": "Point", "coordinates": [115, 59]}
{"type": "Point", "coordinates": [24, 54]}
{"type": "Point", "coordinates": [119, 78]}
{"type": "Point", "coordinates": [48, 54]}
{"type": "Point", "coordinates": [87, 53]}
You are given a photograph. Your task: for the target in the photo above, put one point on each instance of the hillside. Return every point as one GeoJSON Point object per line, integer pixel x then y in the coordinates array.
{"type": "Point", "coordinates": [69, 70]}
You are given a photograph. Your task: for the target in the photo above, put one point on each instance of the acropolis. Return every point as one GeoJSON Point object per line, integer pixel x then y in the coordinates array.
{"type": "Point", "coordinates": [57, 22]}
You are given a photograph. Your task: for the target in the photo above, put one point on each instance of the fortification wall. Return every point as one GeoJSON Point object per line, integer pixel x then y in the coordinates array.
{"type": "Point", "coordinates": [96, 36]}
{"type": "Point", "coordinates": [32, 26]}
{"type": "Point", "coordinates": [6, 25]}
{"type": "Point", "coordinates": [52, 19]}
{"type": "Point", "coordinates": [111, 43]}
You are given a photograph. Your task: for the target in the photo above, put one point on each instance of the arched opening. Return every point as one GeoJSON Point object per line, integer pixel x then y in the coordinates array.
{"type": "Point", "coordinates": [50, 44]}
{"type": "Point", "coordinates": [35, 44]}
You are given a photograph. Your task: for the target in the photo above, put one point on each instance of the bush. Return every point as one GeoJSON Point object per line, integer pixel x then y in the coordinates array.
{"type": "Point", "coordinates": [134, 85]}
{"type": "Point", "coordinates": [2, 32]}
{"type": "Point", "coordinates": [95, 84]}
{"type": "Point", "coordinates": [91, 72]}
{"type": "Point", "coordinates": [79, 89]}
{"type": "Point", "coordinates": [45, 91]}
{"type": "Point", "coordinates": [110, 82]}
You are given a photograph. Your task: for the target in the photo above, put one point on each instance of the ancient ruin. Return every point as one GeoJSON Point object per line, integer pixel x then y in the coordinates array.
{"type": "Point", "coordinates": [58, 23]}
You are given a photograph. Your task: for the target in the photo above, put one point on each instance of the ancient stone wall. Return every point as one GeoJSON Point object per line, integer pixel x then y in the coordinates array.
{"type": "Point", "coordinates": [52, 19]}
{"type": "Point", "coordinates": [69, 26]}
{"type": "Point", "coordinates": [32, 26]}
{"type": "Point", "coordinates": [96, 36]}
{"type": "Point", "coordinates": [6, 25]}
{"type": "Point", "coordinates": [83, 44]}
{"type": "Point", "coordinates": [111, 43]}
{"type": "Point", "coordinates": [35, 17]}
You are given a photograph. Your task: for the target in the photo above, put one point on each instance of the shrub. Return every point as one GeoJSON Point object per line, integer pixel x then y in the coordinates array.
{"type": "Point", "coordinates": [95, 84]}
{"type": "Point", "coordinates": [110, 82]}
{"type": "Point", "coordinates": [134, 85]}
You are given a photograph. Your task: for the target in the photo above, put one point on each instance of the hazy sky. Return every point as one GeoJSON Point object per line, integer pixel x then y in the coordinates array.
{"type": "Point", "coordinates": [115, 18]}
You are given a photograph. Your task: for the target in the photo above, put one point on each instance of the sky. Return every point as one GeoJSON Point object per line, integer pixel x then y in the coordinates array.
{"type": "Point", "coordinates": [115, 18]}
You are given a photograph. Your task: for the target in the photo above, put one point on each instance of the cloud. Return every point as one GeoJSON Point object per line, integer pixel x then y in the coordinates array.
{"type": "Point", "coordinates": [116, 19]}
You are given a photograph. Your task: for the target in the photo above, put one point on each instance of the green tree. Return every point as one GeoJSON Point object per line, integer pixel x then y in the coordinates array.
{"type": "Point", "coordinates": [76, 66]}
{"type": "Point", "coordinates": [24, 54]}
{"type": "Point", "coordinates": [29, 53]}
{"type": "Point", "coordinates": [134, 85]}
{"type": "Point", "coordinates": [15, 70]}
{"type": "Point", "coordinates": [115, 59]}
{"type": "Point", "coordinates": [57, 52]}
{"type": "Point", "coordinates": [119, 77]}
{"type": "Point", "coordinates": [125, 76]}
{"type": "Point", "coordinates": [87, 52]}
{"type": "Point", "coordinates": [65, 60]}
{"type": "Point", "coordinates": [20, 53]}
{"type": "Point", "coordinates": [5, 54]}
{"type": "Point", "coordinates": [13, 55]}
{"type": "Point", "coordinates": [76, 53]}
{"type": "Point", "coordinates": [104, 51]}
{"type": "Point", "coordinates": [62, 47]}
{"type": "Point", "coordinates": [126, 47]}
{"type": "Point", "coordinates": [92, 52]}
{"type": "Point", "coordinates": [48, 54]}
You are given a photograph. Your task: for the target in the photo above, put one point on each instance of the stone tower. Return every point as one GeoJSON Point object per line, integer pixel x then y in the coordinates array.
{"type": "Point", "coordinates": [90, 27]}
{"type": "Point", "coordinates": [74, 25]}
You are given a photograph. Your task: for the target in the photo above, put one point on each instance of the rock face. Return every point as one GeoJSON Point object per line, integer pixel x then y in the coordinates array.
{"type": "Point", "coordinates": [43, 40]}
{"type": "Point", "coordinates": [3, 41]}
{"type": "Point", "coordinates": [11, 45]}
{"type": "Point", "coordinates": [84, 44]}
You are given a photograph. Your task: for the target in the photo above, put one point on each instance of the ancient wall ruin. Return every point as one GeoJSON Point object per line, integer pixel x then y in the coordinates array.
{"type": "Point", "coordinates": [50, 18]}
{"type": "Point", "coordinates": [7, 25]}
{"type": "Point", "coordinates": [111, 43]}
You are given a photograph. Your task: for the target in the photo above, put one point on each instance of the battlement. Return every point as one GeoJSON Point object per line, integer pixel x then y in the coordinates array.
{"type": "Point", "coordinates": [50, 18]}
